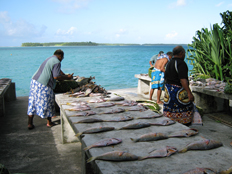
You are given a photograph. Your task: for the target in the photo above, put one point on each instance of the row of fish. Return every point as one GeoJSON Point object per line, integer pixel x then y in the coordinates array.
{"type": "Point", "coordinates": [205, 144]}
{"type": "Point", "coordinates": [137, 125]}
{"type": "Point", "coordinates": [145, 137]}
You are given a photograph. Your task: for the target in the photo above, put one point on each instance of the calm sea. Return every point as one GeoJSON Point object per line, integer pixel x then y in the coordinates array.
{"type": "Point", "coordinates": [114, 67]}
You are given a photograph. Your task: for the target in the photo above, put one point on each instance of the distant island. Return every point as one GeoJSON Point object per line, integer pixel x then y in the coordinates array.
{"type": "Point", "coordinates": [36, 44]}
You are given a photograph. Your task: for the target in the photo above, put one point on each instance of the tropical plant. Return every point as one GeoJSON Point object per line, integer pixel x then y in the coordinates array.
{"type": "Point", "coordinates": [211, 50]}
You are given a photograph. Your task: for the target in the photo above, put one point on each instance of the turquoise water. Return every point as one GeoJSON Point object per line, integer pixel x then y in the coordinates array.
{"type": "Point", "coordinates": [114, 67]}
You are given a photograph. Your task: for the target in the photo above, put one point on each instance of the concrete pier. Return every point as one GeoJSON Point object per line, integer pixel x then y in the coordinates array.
{"type": "Point", "coordinates": [40, 150]}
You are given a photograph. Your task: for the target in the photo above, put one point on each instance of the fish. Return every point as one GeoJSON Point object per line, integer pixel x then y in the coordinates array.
{"type": "Point", "coordinates": [104, 142]}
{"type": "Point", "coordinates": [137, 108]}
{"type": "Point", "coordinates": [89, 120]}
{"type": "Point", "coordinates": [120, 118]}
{"type": "Point", "coordinates": [126, 103]}
{"type": "Point", "coordinates": [135, 126]}
{"type": "Point", "coordinates": [228, 171]}
{"type": "Point", "coordinates": [115, 156]}
{"type": "Point", "coordinates": [103, 105]}
{"type": "Point", "coordinates": [117, 98]}
{"type": "Point", "coordinates": [95, 130]}
{"type": "Point", "coordinates": [113, 111]}
{"type": "Point", "coordinates": [96, 100]}
{"type": "Point", "coordinates": [184, 133]}
{"type": "Point", "coordinates": [80, 108]}
{"type": "Point", "coordinates": [165, 122]}
{"type": "Point", "coordinates": [77, 103]}
{"type": "Point", "coordinates": [154, 115]}
{"type": "Point", "coordinates": [150, 137]}
{"type": "Point", "coordinates": [95, 94]}
{"type": "Point", "coordinates": [204, 144]}
{"type": "Point", "coordinates": [85, 113]}
{"type": "Point", "coordinates": [201, 171]}
{"type": "Point", "coordinates": [161, 153]}
{"type": "Point", "coordinates": [76, 94]}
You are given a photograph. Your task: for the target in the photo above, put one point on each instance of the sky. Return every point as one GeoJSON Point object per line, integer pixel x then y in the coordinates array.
{"type": "Point", "coordinates": [107, 21]}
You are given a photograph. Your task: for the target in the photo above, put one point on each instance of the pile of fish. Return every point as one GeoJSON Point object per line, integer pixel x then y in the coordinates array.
{"type": "Point", "coordinates": [78, 86]}
{"type": "Point", "coordinates": [209, 83]}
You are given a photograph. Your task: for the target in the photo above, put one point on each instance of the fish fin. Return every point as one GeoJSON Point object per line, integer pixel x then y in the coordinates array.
{"type": "Point", "coordinates": [183, 150]}
{"type": "Point", "coordinates": [78, 134]}
{"type": "Point", "coordinates": [91, 159]}
{"type": "Point", "coordinates": [152, 150]}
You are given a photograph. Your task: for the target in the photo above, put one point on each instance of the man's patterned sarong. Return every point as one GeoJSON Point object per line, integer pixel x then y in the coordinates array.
{"type": "Point", "coordinates": [41, 100]}
{"type": "Point", "coordinates": [157, 79]}
{"type": "Point", "coordinates": [176, 104]}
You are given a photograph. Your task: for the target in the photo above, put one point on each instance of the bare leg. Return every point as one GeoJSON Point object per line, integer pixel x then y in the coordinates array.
{"type": "Point", "coordinates": [151, 93]}
{"type": "Point", "coordinates": [49, 122]}
{"type": "Point", "coordinates": [158, 96]}
{"type": "Point", "coordinates": [30, 122]}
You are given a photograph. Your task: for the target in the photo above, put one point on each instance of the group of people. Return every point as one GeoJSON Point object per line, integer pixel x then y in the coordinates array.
{"type": "Point", "coordinates": [170, 74]}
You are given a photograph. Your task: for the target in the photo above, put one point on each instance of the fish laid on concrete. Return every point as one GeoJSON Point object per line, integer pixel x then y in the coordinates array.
{"type": "Point", "coordinates": [85, 113]}
{"type": "Point", "coordinates": [77, 103]}
{"type": "Point", "coordinates": [116, 98]}
{"type": "Point", "coordinates": [120, 118]}
{"type": "Point", "coordinates": [137, 108]}
{"type": "Point", "coordinates": [95, 94]}
{"type": "Point", "coordinates": [89, 120]}
{"type": "Point", "coordinates": [150, 137]}
{"type": "Point", "coordinates": [96, 100]}
{"type": "Point", "coordinates": [114, 111]}
{"type": "Point", "coordinates": [228, 171]}
{"type": "Point", "coordinates": [105, 142]}
{"type": "Point", "coordinates": [153, 115]}
{"type": "Point", "coordinates": [115, 156]}
{"type": "Point", "coordinates": [204, 144]}
{"type": "Point", "coordinates": [201, 171]}
{"type": "Point", "coordinates": [127, 103]}
{"type": "Point", "coordinates": [161, 153]}
{"type": "Point", "coordinates": [79, 108]}
{"type": "Point", "coordinates": [165, 122]}
{"type": "Point", "coordinates": [106, 104]}
{"type": "Point", "coordinates": [184, 133]}
{"type": "Point", "coordinates": [76, 94]}
{"type": "Point", "coordinates": [95, 130]}
{"type": "Point", "coordinates": [135, 125]}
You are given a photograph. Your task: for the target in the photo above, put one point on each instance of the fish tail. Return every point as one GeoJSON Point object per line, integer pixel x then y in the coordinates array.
{"type": "Point", "coordinates": [183, 150]}
{"type": "Point", "coordinates": [132, 139]}
{"type": "Point", "coordinates": [87, 148]}
{"type": "Point", "coordinates": [91, 159]}
{"type": "Point", "coordinates": [142, 158]}
{"type": "Point", "coordinates": [78, 134]}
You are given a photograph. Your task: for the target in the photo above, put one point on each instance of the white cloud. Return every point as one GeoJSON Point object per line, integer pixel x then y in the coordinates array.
{"type": "Point", "coordinates": [171, 35]}
{"type": "Point", "coordinates": [70, 6]}
{"type": "Point", "coordinates": [20, 28]}
{"type": "Point", "coordinates": [181, 2]}
{"type": "Point", "coordinates": [218, 5]}
{"type": "Point", "coordinates": [70, 31]}
{"type": "Point", "coordinates": [121, 32]}
{"type": "Point", "coordinates": [178, 3]}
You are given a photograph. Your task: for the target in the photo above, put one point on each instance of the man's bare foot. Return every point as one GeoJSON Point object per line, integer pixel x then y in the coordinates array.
{"type": "Point", "coordinates": [159, 102]}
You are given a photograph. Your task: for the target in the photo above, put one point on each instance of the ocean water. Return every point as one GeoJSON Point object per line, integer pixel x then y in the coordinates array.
{"type": "Point", "coordinates": [114, 67]}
